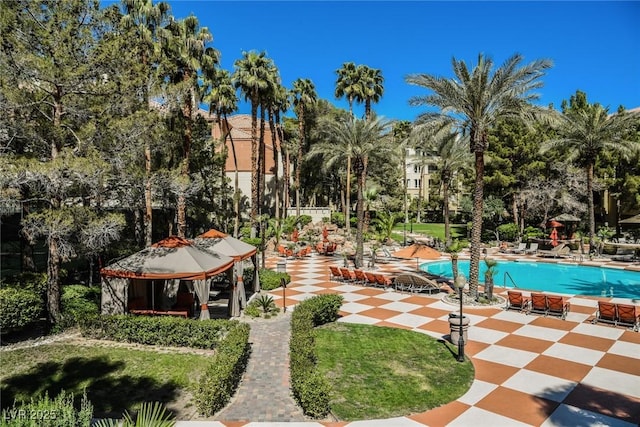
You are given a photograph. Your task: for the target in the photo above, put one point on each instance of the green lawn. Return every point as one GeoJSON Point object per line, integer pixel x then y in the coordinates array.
{"type": "Point", "coordinates": [116, 379]}
{"type": "Point", "coordinates": [378, 372]}
{"type": "Point", "coordinates": [458, 231]}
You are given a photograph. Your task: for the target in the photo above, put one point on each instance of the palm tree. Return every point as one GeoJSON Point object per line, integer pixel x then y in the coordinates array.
{"type": "Point", "coordinates": [277, 104]}
{"type": "Point", "coordinates": [473, 101]}
{"type": "Point", "coordinates": [401, 132]}
{"type": "Point", "coordinates": [348, 85]}
{"type": "Point", "coordinates": [222, 100]}
{"type": "Point", "coordinates": [304, 96]}
{"type": "Point", "coordinates": [251, 76]}
{"type": "Point", "coordinates": [360, 140]}
{"type": "Point", "coordinates": [188, 51]}
{"type": "Point", "coordinates": [371, 88]}
{"type": "Point", "coordinates": [146, 19]}
{"type": "Point", "coordinates": [452, 156]}
{"type": "Point", "coordinates": [587, 133]}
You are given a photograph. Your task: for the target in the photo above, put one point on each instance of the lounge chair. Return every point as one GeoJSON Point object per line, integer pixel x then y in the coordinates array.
{"type": "Point", "coordinates": [624, 255]}
{"type": "Point", "coordinates": [629, 315]}
{"type": "Point", "coordinates": [412, 282]}
{"type": "Point", "coordinates": [533, 249]}
{"type": "Point", "coordinates": [360, 277]}
{"type": "Point", "coordinates": [516, 301]}
{"type": "Point", "coordinates": [347, 275]}
{"type": "Point", "coordinates": [335, 273]}
{"type": "Point", "coordinates": [556, 305]}
{"type": "Point", "coordinates": [606, 313]}
{"type": "Point", "coordinates": [538, 303]}
{"type": "Point", "coordinates": [371, 278]}
{"type": "Point", "coordinates": [382, 280]}
{"type": "Point", "coordinates": [559, 251]}
{"type": "Point", "coordinates": [519, 250]}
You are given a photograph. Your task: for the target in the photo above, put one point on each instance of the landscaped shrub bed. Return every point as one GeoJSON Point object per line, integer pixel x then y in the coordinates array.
{"type": "Point", "coordinates": [310, 388]}
{"type": "Point", "coordinates": [160, 330]}
{"type": "Point", "coordinates": [270, 279]}
{"type": "Point", "coordinates": [18, 308]}
{"type": "Point", "coordinates": [222, 377]}
{"type": "Point", "coordinates": [56, 412]}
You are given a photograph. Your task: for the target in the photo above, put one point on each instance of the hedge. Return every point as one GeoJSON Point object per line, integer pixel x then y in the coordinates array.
{"type": "Point", "coordinates": [270, 279]}
{"type": "Point", "coordinates": [78, 302]}
{"type": "Point", "coordinates": [223, 375]}
{"type": "Point", "coordinates": [310, 389]}
{"type": "Point", "coordinates": [18, 308]}
{"type": "Point", "coordinates": [160, 330]}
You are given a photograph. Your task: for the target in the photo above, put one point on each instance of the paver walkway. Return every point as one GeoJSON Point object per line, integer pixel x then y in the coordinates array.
{"type": "Point", "coordinates": [264, 393]}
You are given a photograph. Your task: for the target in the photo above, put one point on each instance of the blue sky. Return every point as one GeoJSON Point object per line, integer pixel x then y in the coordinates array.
{"type": "Point", "coordinates": [595, 46]}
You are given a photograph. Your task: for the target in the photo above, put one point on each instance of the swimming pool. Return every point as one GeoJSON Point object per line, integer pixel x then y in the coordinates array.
{"type": "Point", "coordinates": [557, 278]}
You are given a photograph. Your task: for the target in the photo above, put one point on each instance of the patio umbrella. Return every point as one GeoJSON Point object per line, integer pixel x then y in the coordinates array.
{"type": "Point", "coordinates": [631, 220]}
{"type": "Point", "coordinates": [418, 251]}
{"type": "Point", "coordinates": [554, 237]}
{"type": "Point", "coordinates": [554, 224]}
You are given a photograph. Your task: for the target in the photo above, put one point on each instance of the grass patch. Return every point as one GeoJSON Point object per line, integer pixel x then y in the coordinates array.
{"type": "Point", "coordinates": [116, 379]}
{"type": "Point", "coordinates": [458, 231]}
{"type": "Point", "coordinates": [378, 372]}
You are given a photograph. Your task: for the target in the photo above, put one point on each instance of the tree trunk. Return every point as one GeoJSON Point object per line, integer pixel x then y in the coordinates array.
{"type": "Point", "coordinates": [182, 199]}
{"type": "Point", "coordinates": [254, 166]}
{"type": "Point", "coordinates": [347, 198]}
{"type": "Point", "coordinates": [445, 211]}
{"type": "Point", "coordinates": [276, 153]}
{"type": "Point", "coordinates": [360, 174]}
{"type": "Point", "coordinates": [299, 162]}
{"type": "Point", "coordinates": [592, 217]}
{"type": "Point", "coordinates": [53, 282]}
{"type": "Point", "coordinates": [405, 196]}
{"type": "Point", "coordinates": [148, 214]}
{"type": "Point", "coordinates": [476, 228]}
{"type": "Point", "coordinates": [454, 266]}
{"type": "Point", "coordinates": [236, 183]}
{"type": "Point", "coordinates": [286, 181]}
{"type": "Point", "coordinates": [262, 178]}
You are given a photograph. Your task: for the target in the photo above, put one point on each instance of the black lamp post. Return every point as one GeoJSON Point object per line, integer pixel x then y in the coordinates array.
{"type": "Point", "coordinates": [460, 282]}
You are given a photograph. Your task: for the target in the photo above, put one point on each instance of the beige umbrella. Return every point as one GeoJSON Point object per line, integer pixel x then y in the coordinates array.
{"type": "Point", "coordinates": [418, 251]}
{"type": "Point", "coordinates": [631, 220]}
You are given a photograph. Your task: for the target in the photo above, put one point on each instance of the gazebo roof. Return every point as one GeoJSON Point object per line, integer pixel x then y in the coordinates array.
{"type": "Point", "coordinates": [219, 242]}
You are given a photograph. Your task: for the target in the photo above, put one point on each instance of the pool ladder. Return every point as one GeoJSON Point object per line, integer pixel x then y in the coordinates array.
{"type": "Point", "coordinates": [504, 280]}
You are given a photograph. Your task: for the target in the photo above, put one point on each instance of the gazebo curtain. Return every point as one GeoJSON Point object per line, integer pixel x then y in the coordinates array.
{"type": "Point", "coordinates": [201, 288]}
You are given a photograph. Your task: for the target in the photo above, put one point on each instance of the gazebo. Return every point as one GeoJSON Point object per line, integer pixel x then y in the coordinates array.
{"type": "Point", "coordinates": [163, 264]}
{"type": "Point", "coordinates": [218, 242]}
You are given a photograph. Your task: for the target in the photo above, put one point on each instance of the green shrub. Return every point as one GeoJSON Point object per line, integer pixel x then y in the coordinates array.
{"type": "Point", "coordinates": [161, 330]}
{"type": "Point", "coordinates": [270, 279]}
{"type": "Point", "coordinates": [310, 388]}
{"type": "Point", "coordinates": [508, 232]}
{"type": "Point", "coordinates": [304, 220]}
{"type": "Point", "coordinates": [34, 282]}
{"type": "Point", "coordinates": [252, 310]}
{"type": "Point", "coordinates": [223, 375]}
{"type": "Point", "coordinates": [46, 412]}
{"type": "Point", "coordinates": [18, 308]}
{"type": "Point", "coordinates": [532, 233]}
{"type": "Point", "coordinates": [78, 302]}
{"type": "Point", "coordinates": [337, 218]}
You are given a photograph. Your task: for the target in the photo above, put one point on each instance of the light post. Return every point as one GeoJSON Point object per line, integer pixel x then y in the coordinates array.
{"type": "Point", "coordinates": [459, 283]}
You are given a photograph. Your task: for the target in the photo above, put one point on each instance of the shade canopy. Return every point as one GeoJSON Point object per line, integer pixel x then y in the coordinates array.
{"type": "Point", "coordinates": [218, 242]}
{"type": "Point", "coordinates": [554, 224]}
{"type": "Point", "coordinates": [631, 220]}
{"type": "Point", "coordinates": [565, 217]}
{"type": "Point", "coordinates": [419, 251]}
{"type": "Point", "coordinates": [171, 258]}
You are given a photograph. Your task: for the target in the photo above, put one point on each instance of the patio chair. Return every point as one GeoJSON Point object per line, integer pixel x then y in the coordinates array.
{"type": "Point", "coordinates": [335, 273]}
{"type": "Point", "coordinates": [519, 250]}
{"type": "Point", "coordinates": [558, 251]}
{"type": "Point", "coordinates": [347, 275]}
{"type": "Point", "coordinates": [538, 303]}
{"type": "Point", "coordinates": [606, 313]}
{"type": "Point", "coordinates": [533, 249]}
{"type": "Point", "coordinates": [382, 280]}
{"type": "Point", "coordinates": [628, 315]}
{"type": "Point", "coordinates": [623, 255]}
{"type": "Point", "coordinates": [517, 301]}
{"type": "Point", "coordinates": [371, 278]}
{"type": "Point", "coordinates": [360, 277]}
{"type": "Point", "coordinates": [557, 305]}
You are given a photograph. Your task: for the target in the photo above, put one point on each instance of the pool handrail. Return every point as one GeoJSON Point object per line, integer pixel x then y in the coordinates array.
{"type": "Point", "coordinates": [504, 280]}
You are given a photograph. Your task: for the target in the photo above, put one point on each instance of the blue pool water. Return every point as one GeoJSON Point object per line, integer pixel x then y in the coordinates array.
{"type": "Point", "coordinates": [558, 278]}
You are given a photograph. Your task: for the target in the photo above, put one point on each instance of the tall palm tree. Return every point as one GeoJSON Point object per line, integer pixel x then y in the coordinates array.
{"type": "Point", "coordinates": [146, 19]}
{"type": "Point", "coordinates": [371, 88]}
{"type": "Point", "coordinates": [348, 85]}
{"type": "Point", "coordinates": [304, 96]}
{"type": "Point", "coordinates": [360, 140]}
{"type": "Point", "coordinates": [473, 100]}
{"type": "Point", "coordinates": [587, 133]}
{"type": "Point", "coordinates": [279, 104]}
{"type": "Point", "coordinates": [222, 100]}
{"type": "Point", "coordinates": [190, 56]}
{"type": "Point", "coordinates": [401, 132]}
{"type": "Point", "coordinates": [452, 156]}
{"type": "Point", "coordinates": [251, 76]}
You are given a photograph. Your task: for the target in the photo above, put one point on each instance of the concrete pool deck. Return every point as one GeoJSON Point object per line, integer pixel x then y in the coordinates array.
{"type": "Point", "coordinates": [529, 369]}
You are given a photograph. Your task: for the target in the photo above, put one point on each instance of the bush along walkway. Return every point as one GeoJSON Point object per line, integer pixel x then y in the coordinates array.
{"type": "Point", "coordinates": [264, 393]}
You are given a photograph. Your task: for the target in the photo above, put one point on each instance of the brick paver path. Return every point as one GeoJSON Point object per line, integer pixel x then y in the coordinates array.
{"type": "Point", "coordinates": [264, 393]}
